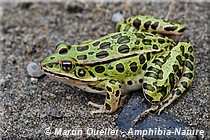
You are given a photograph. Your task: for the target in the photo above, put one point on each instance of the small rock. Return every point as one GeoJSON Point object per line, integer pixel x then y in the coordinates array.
{"type": "Point", "coordinates": [54, 112]}
{"type": "Point", "coordinates": [34, 70]}
{"type": "Point", "coordinates": [74, 6]}
{"type": "Point", "coordinates": [117, 17]}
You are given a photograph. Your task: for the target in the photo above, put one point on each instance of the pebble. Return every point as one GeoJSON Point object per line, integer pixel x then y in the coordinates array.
{"type": "Point", "coordinates": [54, 112]}
{"type": "Point", "coordinates": [117, 17]}
{"type": "Point", "coordinates": [34, 70]}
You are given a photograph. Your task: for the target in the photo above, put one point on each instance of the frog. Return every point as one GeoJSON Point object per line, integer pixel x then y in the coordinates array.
{"type": "Point", "coordinates": [139, 55]}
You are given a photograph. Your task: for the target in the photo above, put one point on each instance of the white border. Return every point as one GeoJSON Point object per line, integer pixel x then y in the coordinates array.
{"type": "Point", "coordinates": [104, 1]}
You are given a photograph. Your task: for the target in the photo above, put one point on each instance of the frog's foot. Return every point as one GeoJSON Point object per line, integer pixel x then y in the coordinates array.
{"type": "Point", "coordinates": [113, 97]}
{"type": "Point", "coordinates": [100, 108]}
{"type": "Point", "coordinates": [144, 114]}
{"type": "Point", "coordinates": [164, 104]}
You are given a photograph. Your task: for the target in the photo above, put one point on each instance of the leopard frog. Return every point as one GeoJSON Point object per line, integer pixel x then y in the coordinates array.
{"type": "Point", "coordinates": [135, 57]}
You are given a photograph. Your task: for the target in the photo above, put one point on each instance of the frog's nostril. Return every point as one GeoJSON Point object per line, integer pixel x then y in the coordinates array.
{"type": "Point", "coordinates": [52, 58]}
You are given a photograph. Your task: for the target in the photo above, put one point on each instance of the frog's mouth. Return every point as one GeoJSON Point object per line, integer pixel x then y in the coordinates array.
{"type": "Point", "coordinates": [82, 84]}
{"type": "Point", "coordinates": [61, 77]}
{"type": "Point", "coordinates": [67, 79]}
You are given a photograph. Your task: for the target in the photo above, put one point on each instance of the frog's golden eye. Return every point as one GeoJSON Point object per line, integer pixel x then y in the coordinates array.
{"type": "Point", "coordinates": [66, 65]}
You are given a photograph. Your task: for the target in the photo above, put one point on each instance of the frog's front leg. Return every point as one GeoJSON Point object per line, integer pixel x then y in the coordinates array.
{"type": "Point", "coordinates": [113, 97]}
{"type": "Point", "coordinates": [160, 87]}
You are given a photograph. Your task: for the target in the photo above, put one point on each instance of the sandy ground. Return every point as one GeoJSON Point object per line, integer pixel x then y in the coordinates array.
{"type": "Point", "coordinates": [33, 107]}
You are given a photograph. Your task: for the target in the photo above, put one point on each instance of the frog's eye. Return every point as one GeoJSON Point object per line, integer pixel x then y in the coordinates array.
{"type": "Point", "coordinates": [62, 48]}
{"type": "Point", "coordinates": [66, 65]}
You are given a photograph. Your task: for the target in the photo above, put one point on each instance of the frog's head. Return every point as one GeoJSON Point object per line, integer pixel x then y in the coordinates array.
{"type": "Point", "coordinates": [58, 64]}
{"type": "Point", "coordinates": [63, 66]}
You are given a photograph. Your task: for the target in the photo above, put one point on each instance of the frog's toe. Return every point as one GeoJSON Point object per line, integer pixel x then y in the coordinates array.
{"type": "Point", "coordinates": [144, 114]}
{"type": "Point", "coordinates": [100, 108]}
{"type": "Point", "coordinates": [140, 117]}
{"type": "Point", "coordinates": [160, 110]}
{"type": "Point", "coordinates": [97, 111]}
{"type": "Point", "coordinates": [95, 105]}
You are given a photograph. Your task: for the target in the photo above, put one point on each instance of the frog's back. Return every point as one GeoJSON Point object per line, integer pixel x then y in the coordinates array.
{"type": "Point", "coordinates": [117, 45]}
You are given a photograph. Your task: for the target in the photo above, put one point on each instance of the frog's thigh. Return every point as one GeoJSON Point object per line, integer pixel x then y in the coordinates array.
{"type": "Point", "coordinates": [113, 100]}
{"type": "Point", "coordinates": [186, 78]}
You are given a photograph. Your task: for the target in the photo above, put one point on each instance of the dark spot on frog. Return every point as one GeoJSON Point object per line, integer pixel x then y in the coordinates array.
{"type": "Point", "coordinates": [189, 65]}
{"type": "Point", "coordinates": [137, 42]}
{"type": "Point", "coordinates": [160, 74]}
{"type": "Point", "coordinates": [179, 58]}
{"type": "Point", "coordinates": [178, 92]}
{"type": "Point", "coordinates": [190, 49]}
{"type": "Point", "coordinates": [144, 67]}
{"type": "Point", "coordinates": [175, 67]}
{"type": "Point", "coordinates": [116, 36]}
{"type": "Point", "coordinates": [123, 49]}
{"type": "Point", "coordinates": [171, 28]}
{"type": "Point", "coordinates": [147, 24]}
{"type": "Point", "coordinates": [161, 41]}
{"type": "Point", "coordinates": [112, 82]}
{"type": "Point", "coordinates": [141, 59]}
{"type": "Point", "coordinates": [123, 40]}
{"type": "Point", "coordinates": [154, 25]}
{"type": "Point", "coordinates": [153, 69]}
{"type": "Point", "coordinates": [126, 28]}
{"type": "Point", "coordinates": [181, 30]}
{"type": "Point", "coordinates": [63, 51]}
{"type": "Point", "coordinates": [82, 48]}
{"type": "Point", "coordinates": [191, 58]}
{"type": "Point", "coordinates": [50, 65]}
{"type": "Point", "coordinates": [172, 80]}
{"type": "Point", "coordinates": [99, 69]}
{"type": "Point", "coordinates": [105, 45]}
{"type": "Point", "coordinates": [102, 54]}
{"type": "Point", "coordinates": [184, 84]}
{"type": "Point", "coordinates": [107, 106]}
{"type": "Point", "coordinates": [109, 89]}
{"type": "Point", "coordinates": [82, 57]}
{"type": "Point", "coordinates": [188, 75]}
{"type": "Point", "coordinates": [155, 46]}
{"type": "Point", "coordinates": [117, 93]}
{"type": "Point", "coordinates": [137, 23]}
{"type": "Point", "coordinates": [96, 43]}
{"type": "Point", "coordinates": [148, 56]}
{"type": "Point", "coordinates": [91, 53]}
{"type": "Point", "coordinates": [91, 74]}
{"type": "Point", "coordinates": [146, 41]}
{"type": "Point", "coordinates": [120, 67]}
{"type": "Point", "coordinates": [133, 66]}
{"type": "Point", "coordinates": [151, 74]}
{"type": "Point", "coordinates": [140, 80]}
{"type": "Point", "coordinates": [148, 87]}
{"type": "Point", "coordinates": [130, 82]}
{"type": "Point", "coordinates": [81, 72]}
{"type": "Point", "coordinates": [140, 35]}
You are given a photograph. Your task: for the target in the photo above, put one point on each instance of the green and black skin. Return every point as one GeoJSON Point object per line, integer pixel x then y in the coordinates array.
{"type": "Point", "coordinates": [163, 79]}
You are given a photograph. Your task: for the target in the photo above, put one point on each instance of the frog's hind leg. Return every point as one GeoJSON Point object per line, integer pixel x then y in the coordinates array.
{"type": "Point", "coordinates": [178, 79]}
{"type": "Point", "coordinates": [186, 77]}
{"type": "Point", "coordinates": [113, 97]}
{"type": "Point", "coordinates": [150, 24]}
